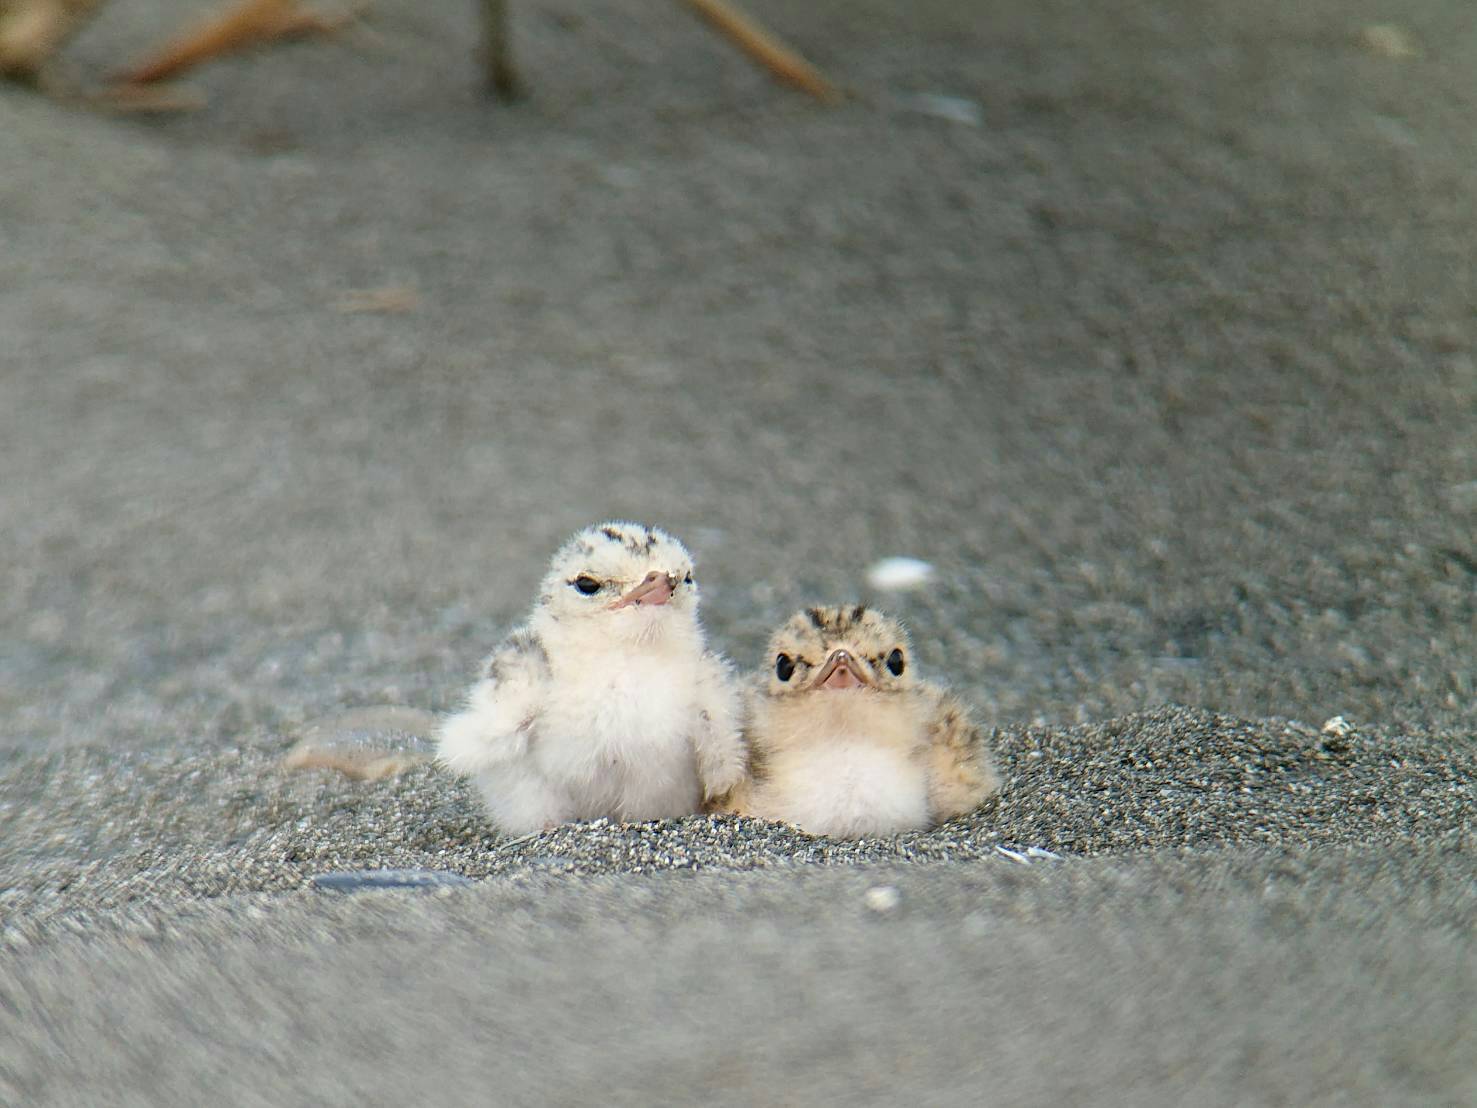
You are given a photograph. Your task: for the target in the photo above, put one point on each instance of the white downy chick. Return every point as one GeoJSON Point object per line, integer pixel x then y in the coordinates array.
{"type": "Point", "coordinates": [844, 740]}
{"type": "Point", "coordinates": [606, 702]}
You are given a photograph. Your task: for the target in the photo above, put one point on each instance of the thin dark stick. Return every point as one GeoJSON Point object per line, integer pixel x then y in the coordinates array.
{"type": "Point", "coordinates": [497, 50]}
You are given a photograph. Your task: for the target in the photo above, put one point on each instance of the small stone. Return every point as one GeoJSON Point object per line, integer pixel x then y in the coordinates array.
{"type": "Point", "coordinates": [955, 109]}
{"type": "Point", "coordinates": [391, 300]}
{"type": "Point", "coordinates": [899, 573]}
{"type": "Point", "coordinates": [1338, 727]}
{"type": "Point", "coordinates": [882, 898]}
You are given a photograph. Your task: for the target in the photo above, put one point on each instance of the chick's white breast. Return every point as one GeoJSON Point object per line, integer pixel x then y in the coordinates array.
{"type": "Point", "coordinates": [621, 737]}
{"type": "Point", "coordinates": [846, 787]}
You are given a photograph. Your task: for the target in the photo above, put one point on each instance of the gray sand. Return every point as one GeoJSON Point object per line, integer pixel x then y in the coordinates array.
{"type": "Point", "coordinates": [207, 823]}
{"type": "Point", "coordinates": [1167, 366]}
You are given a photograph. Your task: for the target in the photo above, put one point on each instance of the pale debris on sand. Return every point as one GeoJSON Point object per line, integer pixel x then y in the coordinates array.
{"type": "Point", "coordinates": [899, 573]}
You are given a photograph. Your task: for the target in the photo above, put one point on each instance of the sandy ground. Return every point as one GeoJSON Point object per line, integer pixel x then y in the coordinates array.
{"type": "Point", "coordinates": [1165, 361]}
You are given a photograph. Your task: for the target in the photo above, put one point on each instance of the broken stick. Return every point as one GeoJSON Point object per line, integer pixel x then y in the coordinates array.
{"type": "Point", "coordinates": [764, 48]}
{"type": "Point", "coordinates": [247, 24]}
{"type": "Point", "coordinates": [32, 31]}
{"type": "Point", "coordinates": [497, 49]}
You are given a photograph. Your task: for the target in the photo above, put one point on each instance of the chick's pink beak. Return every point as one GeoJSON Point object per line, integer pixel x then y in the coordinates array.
{"type": "Point", "coordinates": [656, 589]}
{"type": "Point", "coordinates": [841, 671]}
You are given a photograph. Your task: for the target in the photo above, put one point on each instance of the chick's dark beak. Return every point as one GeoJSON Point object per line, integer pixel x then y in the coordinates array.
{"type": "Point", "coordinates": [842, 671]}
{"type": "Point", "coordinates": [657, 588]}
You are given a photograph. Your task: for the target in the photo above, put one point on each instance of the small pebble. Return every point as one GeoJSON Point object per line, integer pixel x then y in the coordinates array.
{"type": "Point", "coordinates": [955, 109]}
{"type": "Point", "coordinates": [899, 573]}
{"type": "Point", "coordinates": [882, 898]}
{"type": "Point", "coordinates": [1338, 726]}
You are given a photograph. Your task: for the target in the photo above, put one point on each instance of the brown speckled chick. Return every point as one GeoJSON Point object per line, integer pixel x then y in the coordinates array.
{"type": "Point", "coordinates": [846, 741]}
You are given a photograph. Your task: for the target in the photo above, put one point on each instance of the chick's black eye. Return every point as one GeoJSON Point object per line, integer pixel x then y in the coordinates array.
{"type": "Point", "coordinates": [784, 667]}
{"type": "Point", "coordinates": [895, 663]}
{"type": "Point", "coordinates": [586, 584]}
{"type": "Point", "coordinates": [687, 580]}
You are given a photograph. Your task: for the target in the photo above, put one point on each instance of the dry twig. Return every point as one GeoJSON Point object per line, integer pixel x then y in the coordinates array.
{"type": "Point", "coordinates": [249, 23]}
{"type": "Point", "coordinates": [764, 48]}
{"type": "Point", "coordinates": [32, 31]}
{"type": "Point", "coordinates": [497, 50]}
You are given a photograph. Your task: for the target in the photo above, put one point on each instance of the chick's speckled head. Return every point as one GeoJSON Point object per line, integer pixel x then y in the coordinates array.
{"type": "Point", "coordinates": [619, 574]}
{"type": "Point", "coordinates": [830, 650]}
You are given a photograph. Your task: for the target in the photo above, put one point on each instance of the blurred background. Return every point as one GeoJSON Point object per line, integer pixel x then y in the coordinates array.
{"type": "Point", "coordinates": [1149, 325]}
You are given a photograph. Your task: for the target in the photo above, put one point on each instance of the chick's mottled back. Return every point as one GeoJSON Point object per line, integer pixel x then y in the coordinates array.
{"type": "Point", "coordinates": [844, 738]}
{"type": "Point", "coordinates": [606, 702]}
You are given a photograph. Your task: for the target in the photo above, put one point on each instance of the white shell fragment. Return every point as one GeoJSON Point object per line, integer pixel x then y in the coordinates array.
{"type": "Point", "coordinates": [882, 898]}
{"type": "Point", "coordinates": [1338, 727]}
{"type": "Point", "coordinates": [899, 573]}
{"type": "Point", "coordinates": [955, 109]}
